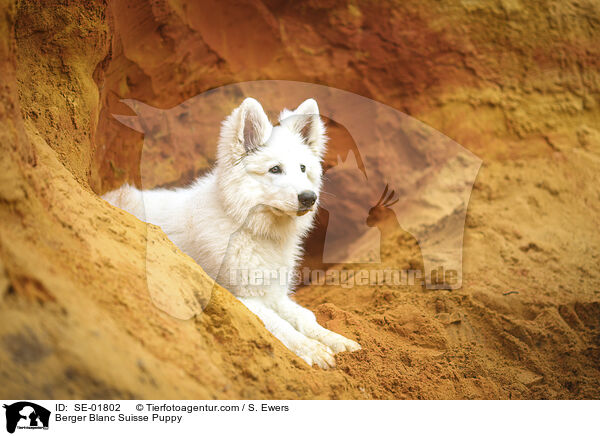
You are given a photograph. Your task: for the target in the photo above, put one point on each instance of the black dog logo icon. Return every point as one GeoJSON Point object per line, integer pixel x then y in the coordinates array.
{"type": "Point", "coordinates": [24, 414]}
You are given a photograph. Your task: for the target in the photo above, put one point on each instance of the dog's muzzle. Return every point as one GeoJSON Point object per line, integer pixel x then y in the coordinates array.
{"type": "Point", "coordinates": [306, 200]}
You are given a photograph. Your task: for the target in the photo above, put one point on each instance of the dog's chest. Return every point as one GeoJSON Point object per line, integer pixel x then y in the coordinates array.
{"type": "Point", "coordinates": [265, 253]}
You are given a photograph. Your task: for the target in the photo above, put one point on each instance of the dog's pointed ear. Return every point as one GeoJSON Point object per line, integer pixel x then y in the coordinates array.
{"type": "Point", "coordinates": [306, 121]}
{"type": "Point", "coordinates": [254, 128]}
{"type": "Point", "coordinates": [247, 128]}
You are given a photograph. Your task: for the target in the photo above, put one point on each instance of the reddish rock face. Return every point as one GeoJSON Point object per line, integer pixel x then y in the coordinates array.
{"type": "Point", "coordinates": [433, 61]}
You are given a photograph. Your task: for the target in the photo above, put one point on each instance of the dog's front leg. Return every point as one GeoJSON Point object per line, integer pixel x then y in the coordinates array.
{"type": "Point", "coordinates": [307, 349]}
{"type": "Point", "coordinates": [306, 323]}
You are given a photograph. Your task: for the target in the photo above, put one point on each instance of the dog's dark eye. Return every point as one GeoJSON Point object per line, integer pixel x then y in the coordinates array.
{"type": "Point", "coordinates": [275, 170]}
{"type": "Point", "coordinates": [302, 168]}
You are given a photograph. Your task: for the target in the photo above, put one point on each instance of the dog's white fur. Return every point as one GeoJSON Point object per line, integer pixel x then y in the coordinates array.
{"type": "Point", "coordinates": [242, 218]}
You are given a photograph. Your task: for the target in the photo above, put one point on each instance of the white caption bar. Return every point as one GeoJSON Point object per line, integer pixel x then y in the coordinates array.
{"type": "Point", "coordinates": [285, 418]}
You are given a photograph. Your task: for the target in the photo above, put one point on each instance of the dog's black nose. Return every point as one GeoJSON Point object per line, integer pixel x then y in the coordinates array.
{"type": "Point", "coordinates": [307, 198]}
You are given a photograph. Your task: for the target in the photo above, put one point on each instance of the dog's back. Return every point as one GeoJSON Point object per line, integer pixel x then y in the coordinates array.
{"type": "Point", "coordinates": [129, 199]}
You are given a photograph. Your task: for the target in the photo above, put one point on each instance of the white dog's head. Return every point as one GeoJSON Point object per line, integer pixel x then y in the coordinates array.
{"type": "Point", "coordinates": [275, 170]}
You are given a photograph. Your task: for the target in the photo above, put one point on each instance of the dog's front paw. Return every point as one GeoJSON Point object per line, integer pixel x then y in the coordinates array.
{"type": "Point", "coordinates": [339, 343]}
{"type": "Point", "coordinates": [313, 352]}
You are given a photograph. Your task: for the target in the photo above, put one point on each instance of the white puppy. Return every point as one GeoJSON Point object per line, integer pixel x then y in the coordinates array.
{"type": "Point", "coordinates": [245, 220]}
